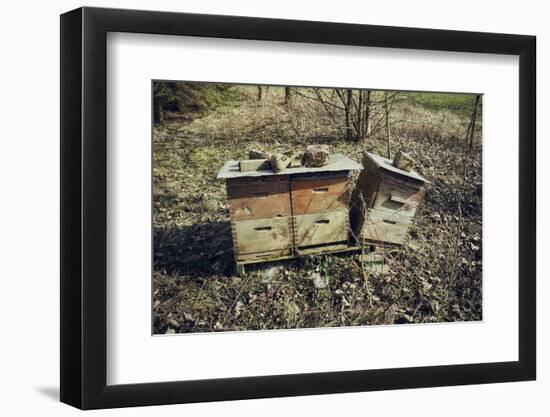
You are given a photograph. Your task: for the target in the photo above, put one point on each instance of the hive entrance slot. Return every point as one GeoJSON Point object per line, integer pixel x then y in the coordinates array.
{"type": "Point", "coordinates": [260, 228]}
{"type": "Point", "coordinates": [397, 199]}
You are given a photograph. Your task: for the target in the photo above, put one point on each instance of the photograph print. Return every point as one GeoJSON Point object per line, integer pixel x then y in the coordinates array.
{"type": "Point", "coordinates": [293, 207]}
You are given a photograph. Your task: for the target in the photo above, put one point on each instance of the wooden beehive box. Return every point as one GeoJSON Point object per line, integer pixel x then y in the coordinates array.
{"type": "Point", "coordinates": [278, 215]}
{"type": "Point", "coordinates": [384, 201]}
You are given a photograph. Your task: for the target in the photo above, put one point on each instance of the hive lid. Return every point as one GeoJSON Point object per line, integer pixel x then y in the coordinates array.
{"type": "Point", "coordinates": [387, 164]}
{"type": "Point", "coordinates": [337, 162]}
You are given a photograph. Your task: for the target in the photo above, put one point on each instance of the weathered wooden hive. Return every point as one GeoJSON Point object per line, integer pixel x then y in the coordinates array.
{"type": "Point", "coordinates": [278, 215]}
{"type": "Point", "coordinates": [384, 201]}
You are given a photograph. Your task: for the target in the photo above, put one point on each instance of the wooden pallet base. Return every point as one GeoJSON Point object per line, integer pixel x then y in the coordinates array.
{"type": "Point", "coordinates": [305, 251]}
{"type": "Point", "coordinates": [375, 261]}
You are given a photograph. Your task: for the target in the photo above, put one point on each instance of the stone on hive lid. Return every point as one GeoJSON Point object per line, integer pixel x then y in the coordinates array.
{"type": "Point", "coordinates": [254, 165]}
{"type": "Point", "coordinates": [403, 161]}
{"type": "Point", "coordinates": [279, 162]}
{"type": "Point", "coordinates": [316, 156]}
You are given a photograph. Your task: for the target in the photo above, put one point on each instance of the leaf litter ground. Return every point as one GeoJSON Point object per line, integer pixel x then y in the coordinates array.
{"type": "Point", "coordinates": [435, 277]}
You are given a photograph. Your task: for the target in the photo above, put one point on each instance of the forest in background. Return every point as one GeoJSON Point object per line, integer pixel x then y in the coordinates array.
{"type": "Point", "coordinates": [436, 276]}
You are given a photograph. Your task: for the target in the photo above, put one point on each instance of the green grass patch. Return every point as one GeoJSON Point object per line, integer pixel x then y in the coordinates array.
{"type": "Point", "coordinates": [461, 104]}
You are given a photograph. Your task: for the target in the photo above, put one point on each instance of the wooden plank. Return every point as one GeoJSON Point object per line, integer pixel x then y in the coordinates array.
{"type": "Point", "coordinates": [317, 195]}
{"type": "Point", "coordinates": [265, 179]}
{"type": "Point", "coordinates": [286, 254]}
{"type": "Point", "coordinates": [411, 182]}
{"type": "Point", "coordinates": [385, 226]}
{"type": "Point", "coordinates": [264, 256]}
{"type": "Point", "coordinates": [372, 258]}
{"type": "Point", "coordinates": [364, 194]}
{"type": "Point", "coordinates": [254, 165]}
{"type": "Point", "coordinates": [327, 248]}
{"type": "Point", "coordinates": [366, 188]}
{"type": "Point", "coordinates": [319, 228]}
{"type": "Point", "coordinates": [395, 196]}
{"type": "Point", "coordinates": [258, 200]}
{"type": "Point", "coordinates": [261, 235]}
{"type": "Point", "coordinates": [240, 269]}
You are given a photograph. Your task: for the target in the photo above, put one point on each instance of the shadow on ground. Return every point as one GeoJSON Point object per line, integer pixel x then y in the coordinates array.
{"type": "Point", "coordinates": [199, 249]}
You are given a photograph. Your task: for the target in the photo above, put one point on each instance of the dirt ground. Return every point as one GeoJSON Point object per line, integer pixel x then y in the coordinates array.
{"type": "Point", "coordinates": [435, 277]}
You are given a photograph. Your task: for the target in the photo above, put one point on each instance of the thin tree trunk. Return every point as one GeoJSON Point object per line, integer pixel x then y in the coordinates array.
{"type": "Point", "coordinates": [158, 114]}
{"type": "Point", "coordinates": [349, 96]}
{"type": "Point", "coordinates": [473, 123]}
{"type": "Point", "coordinates": [367, 116]}
{"type": "Point", "coordinates": [360, 116]}
{"type": "Point", "coordinates": [259, 92]}
{"type": "Point", "coordinates": [386, 109]}
{"type": "Point", "coordinates": [287, 95]}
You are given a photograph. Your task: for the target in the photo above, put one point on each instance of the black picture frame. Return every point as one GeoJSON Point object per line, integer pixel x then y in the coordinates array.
{"type": "Point", "coordinates": [84, 207]}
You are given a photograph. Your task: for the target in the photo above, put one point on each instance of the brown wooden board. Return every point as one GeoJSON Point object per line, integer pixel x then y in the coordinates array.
{"type": "Point", "coordinates": [385, 226]}
{"type": "Point", "coordinates": [263, 256]}
{"type": "Point", "coordinates": [258, 200]}
{"type": "Point", "coordinates": [398, 196]}
{"type": "Point", "coordinates": [319, 228]}
{"type": "Point", "coordinates": [368, 184]}
{"type": "Point", "coordinates": [328, 248]}
{"type": "Point", "coordinates": [395, 192]}
{"type": "Point", "coordinates": [259, 257]}
{"type": "Point", "coordinates": [363, 196]}
{"type": "Point", "coordinates": [261, 235]}
{"type": "Point", "coordinates": [317, 195]}
{"type": "Point", "coordinates": [265, 179]}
